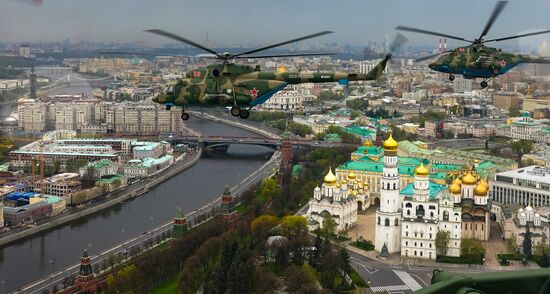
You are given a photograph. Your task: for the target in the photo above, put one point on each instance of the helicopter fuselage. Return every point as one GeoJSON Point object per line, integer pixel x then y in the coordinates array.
{"type": "Point", "coordinates": [244, 85]}
{"type": "Point", "coordinates": [479, 61]}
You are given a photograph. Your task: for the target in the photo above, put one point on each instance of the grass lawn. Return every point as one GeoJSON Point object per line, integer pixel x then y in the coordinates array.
{"type": "Point", "coordinates": [502, 140]}
{"type": "Point", "coordinates": [170, 286]}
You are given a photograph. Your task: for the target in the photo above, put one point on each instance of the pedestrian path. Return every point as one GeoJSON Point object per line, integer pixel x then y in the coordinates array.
{"type": "Point", "coordinates": [408, 280]}
{"type": "Point", "coordinates": [391, 288]}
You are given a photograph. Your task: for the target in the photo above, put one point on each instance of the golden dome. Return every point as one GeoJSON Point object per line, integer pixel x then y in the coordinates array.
{"type": "Point", "coordinates": [390, 144]}
{"type": "Point", "coordinates": [360, 186]}
{"type": "Point", "coordinates": [476, 161]}
{"type": "Point", "coordinates": [484, 183]}
{"type": "Point", "coordinates": [457, 181]}
{"type": "Point", "coordinates": [480, 190]}
{"type": "Point", "coordinates": [469, 179]}
{"type": "Point", "coordinates": [454, 188]}
{"type": "Point", "coordinates": [351, 175]}
{"type": "Point", "coordinates": [368, 143]}
{"type": "Point", "coordinates": [330, 178]}
{"type": "Point", "coordinates": [422, 170]}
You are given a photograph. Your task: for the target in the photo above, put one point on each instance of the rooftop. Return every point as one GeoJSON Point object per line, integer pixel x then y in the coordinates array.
{"type": "Point", "coordinates": [435, 189]}
{"type": "Point", "coordinates": [532, 173]}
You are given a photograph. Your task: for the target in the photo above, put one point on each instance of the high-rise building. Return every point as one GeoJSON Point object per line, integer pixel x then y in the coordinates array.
{"type": "Point", "coordinates": [32, 116]}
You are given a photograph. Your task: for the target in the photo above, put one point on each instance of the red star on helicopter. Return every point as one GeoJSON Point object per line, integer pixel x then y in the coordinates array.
{"type": "Point", "coordinates": [254, 92]}
{"type": "Point", "coordinates": [503, 63]}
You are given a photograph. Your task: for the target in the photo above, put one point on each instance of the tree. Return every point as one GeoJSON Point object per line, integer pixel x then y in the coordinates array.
{"type": "Point", "coordinates": [521, 147]}
{"type": "Point", "coordinates": [511, 244]}
{"type": "Point", "coordinates": [294, 226]}
{"type": "Point", "coordinates": [471, 247]}
{"type": "Point", "coordinates": [88, 178]}
{"type": "Point", "coordinates": [513, 111]}
{"type": "Point", "coordinates": [329, 225]}
{"type": "Point", "coordinates": [261, 226]}
{"type": "Point", "coordinates": [544, 262]}
{"type": "Point", "coordinates": [527, 243]}
{"type": "Point", "coordinates": [442, 242]}
{"type": "Point", "coordinates": [298, 279]}
{"type": "Point", "coordinates": [344, 260]}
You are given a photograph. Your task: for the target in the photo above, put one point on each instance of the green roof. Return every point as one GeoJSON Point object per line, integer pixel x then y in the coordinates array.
{"type": "Point", "coordinates": [110, 179]}
{"type": "Point", "coordinates": [435, 189]}
{"type": "Point", "coordinates": [180, 214]}
{"type": "Point", "coordinates": [297, 170]}
{"type": "Point", "coordinates": [361, 131]}
{"type": "Point", "coordinates": [372, 150]}
{"type": "Point", "coordinates": [148, 147]}
{"type": "Point", "coordinates": [52, 199]}
{"type": "Point", "coordinates": [333, 137]}
{"type": "Point", "coordinates": [100, 163]}
{"type": "Point", "coordinates": [411, 147]}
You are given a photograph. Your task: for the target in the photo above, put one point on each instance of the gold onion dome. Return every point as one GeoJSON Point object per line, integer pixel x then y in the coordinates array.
{"type": "Point", "coordinates": [480, 190]}
{"type": "Point", "coordinates": [454, 188]}
{"type": "Point", "coordinates": [469, 179]}
{"type": "Point", "coordinates": [390, 144]}
{"type": "Point", "coordinates": [422, 170]}
{"type": "Point", "coordinates": [457, 181]}
{"type": "Point", "coordinates": [367, 143]}
{"type": "Point", "coordinates": [484, 183]}
{"type": "Point", "coordinates": [351, 175]}
{"type": "Point", "coordinates": [330, 178]}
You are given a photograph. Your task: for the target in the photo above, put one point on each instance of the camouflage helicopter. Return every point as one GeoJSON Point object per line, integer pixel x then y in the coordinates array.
{"type": "Point", "coordinates": [477, 60]}
{"type": "Point", "coordinates": [244, 86]}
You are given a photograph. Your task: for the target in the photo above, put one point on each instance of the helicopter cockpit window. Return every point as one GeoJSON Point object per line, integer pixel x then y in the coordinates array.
{"type": "Point", "coordinates": [168, 90]}
{"type": "Point", "coordinates": [171, 90]}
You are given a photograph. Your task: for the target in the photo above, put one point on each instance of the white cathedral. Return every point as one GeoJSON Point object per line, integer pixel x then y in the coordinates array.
{"type": "Point", "coordinates": [339, 200]}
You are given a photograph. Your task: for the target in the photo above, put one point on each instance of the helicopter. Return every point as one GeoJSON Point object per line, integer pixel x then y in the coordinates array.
{"type": "Point", "coordinates": [243, 86]}
{"type": "Point", "coordinates": [477, 60]}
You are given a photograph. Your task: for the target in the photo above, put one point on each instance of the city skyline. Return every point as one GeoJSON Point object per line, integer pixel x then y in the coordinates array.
{"type": "Point", "coordinates": [252, 24]}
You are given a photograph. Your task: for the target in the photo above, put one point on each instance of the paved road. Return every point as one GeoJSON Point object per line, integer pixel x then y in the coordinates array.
{"type": "Point", "coordinates": [396, 278]}
{"type": "Point", "coordinates": [151, 236]}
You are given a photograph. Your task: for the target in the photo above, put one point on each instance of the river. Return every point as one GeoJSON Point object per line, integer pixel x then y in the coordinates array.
{"type": "Point", "coordinates": [30, 259]}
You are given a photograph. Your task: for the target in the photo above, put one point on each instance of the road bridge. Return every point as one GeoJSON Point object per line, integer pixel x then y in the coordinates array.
{"type": "Point", "coordinates": [222, 141]}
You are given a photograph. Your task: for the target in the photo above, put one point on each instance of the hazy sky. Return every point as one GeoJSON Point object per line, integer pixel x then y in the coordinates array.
{"type": "Point", "coordinates": [253, 22]}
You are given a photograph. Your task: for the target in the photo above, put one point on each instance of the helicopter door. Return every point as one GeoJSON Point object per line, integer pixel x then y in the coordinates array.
{"type": "Point", "coordinates": [194, 92]}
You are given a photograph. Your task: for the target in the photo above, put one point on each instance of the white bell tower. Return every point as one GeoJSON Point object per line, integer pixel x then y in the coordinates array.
{"type": "Point", "coordinates": [388, 216]}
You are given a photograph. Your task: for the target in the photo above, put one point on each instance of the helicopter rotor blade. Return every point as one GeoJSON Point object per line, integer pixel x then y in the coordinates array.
{"type": "Point", "coordinates": [397, 43]}
{"type": "Point", "coordinates": [183, 40]}
{"type": "Point", "coordinates": [421, 31]}
{"type": "Point", "coordinates": [496, 12]}
{"type": "Point", "coordinates": [431, 56]}
{"type": "Point", "coordinates": [286, 55]}
{"type": "Point", "coordinates": [284, 43]}
{"type": "Point", "coordinates": [518, 36]}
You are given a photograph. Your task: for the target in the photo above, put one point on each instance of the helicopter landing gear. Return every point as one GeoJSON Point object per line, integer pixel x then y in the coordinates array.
{"type": "Point", "coordinates": [184, 115]}
{"type": "Point", "coordinates": [451, 78]}
{"type": "Point", "coordinates": [168, 107]}
{"type": "Point", "coordinates": [484, 84]}
{"type": "Point", "coordinates": [242, 113]}
{"type": "Point", "coordinates": [235, 111]}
